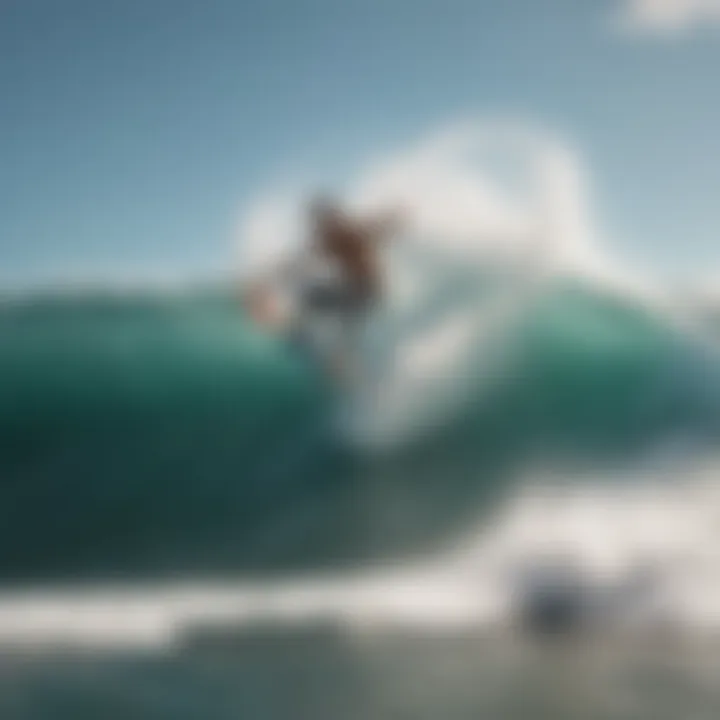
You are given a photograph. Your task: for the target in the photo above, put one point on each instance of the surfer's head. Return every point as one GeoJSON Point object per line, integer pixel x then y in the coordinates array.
{"type": "Point", "coordinates": [325, 211]}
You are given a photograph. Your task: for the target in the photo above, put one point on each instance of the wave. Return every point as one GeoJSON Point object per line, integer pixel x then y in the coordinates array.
{"type": "Point", "coordinates": [161, 444]}
{"type": "Point", "coordinates": [150, 436]}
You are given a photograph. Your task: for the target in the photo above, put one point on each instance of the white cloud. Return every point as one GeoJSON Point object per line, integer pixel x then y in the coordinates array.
{"type": "Point", "coordinates": [668, 16]}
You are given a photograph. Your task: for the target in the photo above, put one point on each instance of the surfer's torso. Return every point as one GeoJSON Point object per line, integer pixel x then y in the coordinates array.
{"type": "Point", "coordinates": [352, 246]}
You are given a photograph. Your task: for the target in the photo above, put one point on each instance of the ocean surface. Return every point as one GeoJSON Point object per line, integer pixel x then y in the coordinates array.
{"type": "Point", "coordinates": [154, 441]}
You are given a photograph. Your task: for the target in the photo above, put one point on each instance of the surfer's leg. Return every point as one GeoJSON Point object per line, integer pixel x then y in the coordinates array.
{"type": "Point", "coordinates": [349, 306]}
{"type": "Point", "coordinates": [353, 318]}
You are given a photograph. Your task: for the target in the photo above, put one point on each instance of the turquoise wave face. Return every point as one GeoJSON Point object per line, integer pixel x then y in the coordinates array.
{"type": "Point", "coordinates": [606, 373]}
{"type": "Point", "coordinates": [158, 435]}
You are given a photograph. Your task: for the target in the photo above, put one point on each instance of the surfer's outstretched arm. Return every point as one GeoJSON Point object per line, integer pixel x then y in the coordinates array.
{"type": "Point", "coordinates": [258, 295]}
{"type": "Point", "coordinates": [258, 303]}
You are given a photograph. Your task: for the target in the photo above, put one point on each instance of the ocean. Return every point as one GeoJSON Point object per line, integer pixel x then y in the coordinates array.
{"type": "Point", "coordinates": [174, 483]}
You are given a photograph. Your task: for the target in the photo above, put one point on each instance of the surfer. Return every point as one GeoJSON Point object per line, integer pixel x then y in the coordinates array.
{"type": "Point", "coordinates": [352, 246]}
{"type": "Point", "coordinates": [351, 284]}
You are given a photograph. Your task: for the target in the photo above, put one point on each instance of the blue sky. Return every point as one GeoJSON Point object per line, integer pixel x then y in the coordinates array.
{"type": "Point", "coordinates": [133, 132]}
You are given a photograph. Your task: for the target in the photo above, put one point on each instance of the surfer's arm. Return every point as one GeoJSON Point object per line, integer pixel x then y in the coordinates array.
{"type": "Point", "coordinates": [257, 291]}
